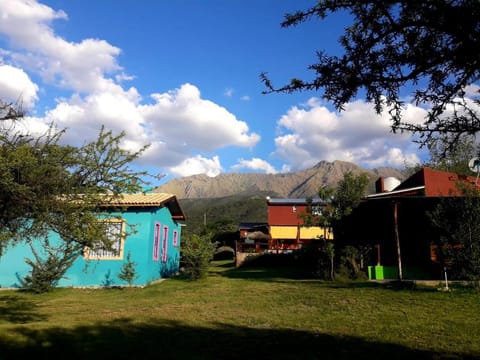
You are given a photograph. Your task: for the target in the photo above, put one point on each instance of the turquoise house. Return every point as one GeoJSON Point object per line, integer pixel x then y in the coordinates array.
{"type": "Point", "coordinates": [148, 230]}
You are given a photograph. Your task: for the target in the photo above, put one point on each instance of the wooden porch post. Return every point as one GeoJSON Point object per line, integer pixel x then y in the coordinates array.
{"type": "Point", "coordinates": [397, 239]}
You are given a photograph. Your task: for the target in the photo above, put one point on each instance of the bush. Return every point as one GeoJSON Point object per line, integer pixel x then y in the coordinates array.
{"type": "Point", "coordinates": [317, 257]}
{"type": "Point", "coordinates": [196, 253]}
{"type": "Point", "coordinates": [47, 270]}
{"type": "Point", "coordinates": [128, 272]}
{"type": "Point", "coordinates": [224, 253]}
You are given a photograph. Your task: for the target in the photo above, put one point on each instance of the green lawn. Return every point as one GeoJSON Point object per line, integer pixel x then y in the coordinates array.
{"type": "Point", "coordinates": [249, 313]}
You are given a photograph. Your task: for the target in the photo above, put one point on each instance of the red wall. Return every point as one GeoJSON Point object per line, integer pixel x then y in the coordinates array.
{"type": "Point", "coordinates": [284, 214]}
{"type": "Point", "coordinates": [438, 183]}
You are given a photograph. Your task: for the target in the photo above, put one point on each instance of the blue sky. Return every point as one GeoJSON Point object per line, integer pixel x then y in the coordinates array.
{"type": "Point", "coordinates": [183, 76]}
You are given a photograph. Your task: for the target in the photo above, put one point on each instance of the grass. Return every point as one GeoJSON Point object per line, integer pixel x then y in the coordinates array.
{"type": "Point", "coordinates": [246, 313]}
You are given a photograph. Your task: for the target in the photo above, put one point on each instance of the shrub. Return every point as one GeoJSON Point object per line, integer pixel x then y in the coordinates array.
{"type": "Point", "coordinates": [49, 268]}
{"type": "Point", "coordinates": [128, 272]}
{"type": "Point", "coordinates": [318, 257]}
{"type": "Point", "coordinates": [196, 253]}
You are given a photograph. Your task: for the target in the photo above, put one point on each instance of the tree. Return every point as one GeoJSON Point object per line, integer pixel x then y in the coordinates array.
{"type": "Point", "coordinates": [128, 272]}
{"type": "Point", "coordinates": [196, 253]}
{"type": "Point", "coordinates": [456, 219]}
{"type": "Point", "coordinates": [49, 266]}
{"type": "Point", "coordinates": [9, 111]}
{"type": "Point", "coordinates": [428, 45]}
{"type": "Point", "coordinates": [223, 232]}
{"type": "Point", "coordinates": [338, 202]}
{"type": "Point", "coordinates": [456, 159]}
{"type": "Point", "coordinates": [349, 193]}
{"type": "Point", "coordinates": [47, 187]}
{"type": "Point", "coordinates": [443, 158]}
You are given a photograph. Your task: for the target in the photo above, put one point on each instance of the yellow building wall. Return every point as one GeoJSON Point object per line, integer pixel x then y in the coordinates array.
{"type": "Point", "coordinates": [291, 232]}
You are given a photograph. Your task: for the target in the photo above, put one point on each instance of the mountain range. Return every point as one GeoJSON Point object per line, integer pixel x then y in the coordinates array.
{"type": "Point", "coordinates": [223, 202]}
{"type": "Point", "coordinates": [301, 184]}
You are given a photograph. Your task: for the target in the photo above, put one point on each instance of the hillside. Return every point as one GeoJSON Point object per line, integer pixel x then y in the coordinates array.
{"type": "Point", "coordinates": [230, 209]}
{"type": "Point", "coordinates": [240, 198]}
{"type": "Point", "coordinates": [299, 184]}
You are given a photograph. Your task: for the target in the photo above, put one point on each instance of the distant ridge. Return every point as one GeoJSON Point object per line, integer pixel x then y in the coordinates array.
{"type": "Point", "coordinates": [301, 184]}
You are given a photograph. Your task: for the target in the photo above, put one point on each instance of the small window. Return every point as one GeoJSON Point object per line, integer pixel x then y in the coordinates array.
{"type": "Point", "coordinates": [115, 231]}
{"type": "Point", "coordinates": [156, 241]}
{"type": "Point", "coordinates": [165, 244]}
{"type": "Point", "coordinates": [175, 237]}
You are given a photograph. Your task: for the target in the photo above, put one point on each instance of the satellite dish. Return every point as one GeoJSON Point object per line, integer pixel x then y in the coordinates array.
{"type": "Point", "coordinates": [474, 165]}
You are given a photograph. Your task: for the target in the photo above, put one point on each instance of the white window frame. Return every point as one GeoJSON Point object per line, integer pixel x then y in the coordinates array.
{"type": "Point", "coordinates": [117, 244]}
{"type": "Point", "coordinates": [316, 210]}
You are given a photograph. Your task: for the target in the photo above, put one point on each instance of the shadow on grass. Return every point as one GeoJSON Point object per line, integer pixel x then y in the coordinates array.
{"type": "Point", "coordinates": [16, 310]}
{"type": "Point", "coordinates": [268, 267]}
{"type": "Point", "coordinates": [277, 268]}
{"type": "Point", "coordinates": [124, 339]}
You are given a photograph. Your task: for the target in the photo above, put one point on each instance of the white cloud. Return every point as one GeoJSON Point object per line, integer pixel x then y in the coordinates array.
{"type": "Point", "coordinates": [198, 165]}
{"type": "Point", "coordinates": [178, 124]}
{"type": "Point", "coordinates": [124, 77]}
{"type": "Point", "coordinates": [76, 66]}
{"type": "Point", "coordinates": [255, 164]}
{"type": "Point", "coordinates": [83, 117]}
{"type": "Point", "coordinates": [357, 134]}
{"type": "Point", "coordinates": [16, 85]}
{"type": "Point", "coordinates": [183, 116]}
{"type": "Point", "coordinates": [472, 90]}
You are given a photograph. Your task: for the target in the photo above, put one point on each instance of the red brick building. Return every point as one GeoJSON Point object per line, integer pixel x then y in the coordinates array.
{"type": "Point", "coordinates": [288, 230]}
{"type": "Point", "coordinates": [396, 225]}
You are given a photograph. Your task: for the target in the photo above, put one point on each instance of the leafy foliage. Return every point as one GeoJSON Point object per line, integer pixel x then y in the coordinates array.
{"type": "Point", "coordinates": [352, 261]}
{"type": "Point", "coordinates": [456, 218]}
{"type": "Point", "coordinates": [455, 159]}
{"type": "Point", "coordinates": [128, 272]}
{"type": "Point", "coordinates": [427, 45]}
{"type": "Point", "coordinates": [349, 193]}
{"type": "Point", "coordinates": [219, 214]}
{"type": "Point", "coordinates": [46, 186]}
{"type": "Point", "coordinates": [196, 253]}
{"type": "Point", "coordinates": [49, 265]}
{"type": "Point", "coordinates": [338, 203]}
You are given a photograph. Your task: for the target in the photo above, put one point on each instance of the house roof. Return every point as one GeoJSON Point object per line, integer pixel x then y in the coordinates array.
{"type": "Point", "coordinates": [401, 192]}
{"type": "Point", "coordinates": [429, 183]}
{"type": "Point", "coordinates": [251, 225]}
{"type": "Point", "coordinates": [150, 200]}
{"type": "Point", "coordinates": [287, 201]}
{"type": "Point", "coordinates": [438, 183]}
